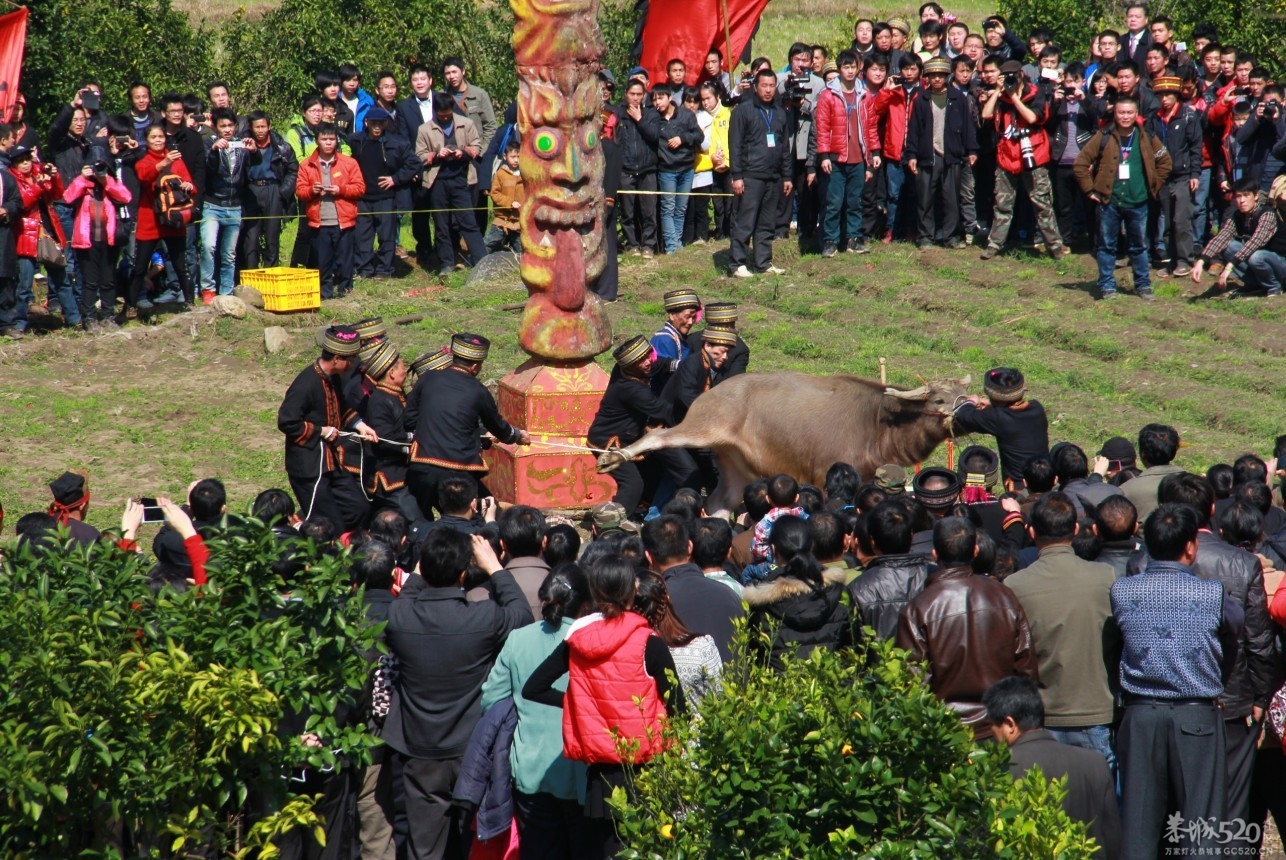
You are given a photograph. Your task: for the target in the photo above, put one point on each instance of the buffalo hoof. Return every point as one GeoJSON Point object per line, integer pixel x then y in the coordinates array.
{"type": "Point", "coordinates": [609, 461]}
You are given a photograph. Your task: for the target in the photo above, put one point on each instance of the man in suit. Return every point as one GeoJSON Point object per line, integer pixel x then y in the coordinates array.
{"type": "Point", "coordinates": [1015, 709]}
{"type": "Point", "coordinates": [412, 112]}
{"type": "Point", "coordinates": [1137, 39]}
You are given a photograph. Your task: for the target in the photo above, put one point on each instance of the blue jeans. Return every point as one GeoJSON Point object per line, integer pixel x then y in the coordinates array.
{"type": "Point", "coordinates": [844, 194]}
{"type": "Point", "coordinates": [1200, 215]}
{"type": "Point", "coordinates": [62, 289]}
{"type": "Point", "coordinates": [1110, 219]}
{"type": "Point", "coordinates": [674, 206]}
{"type": "Point", "coordinates": [219, 231]}
{"type": "Point", "coordinates": [1095, 738]}
{"type": "Point", "coordinates": [66, 215]}
{"type": "Point", "coordinates": [1264, 270]}
{"type": "Point", "coordinates": [894, 179]}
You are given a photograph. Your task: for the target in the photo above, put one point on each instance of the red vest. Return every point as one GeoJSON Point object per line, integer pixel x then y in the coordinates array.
{"type": "Point", "coordinates": [610, 696]}
{"type": "Point", "coordinates": [1009, 155]}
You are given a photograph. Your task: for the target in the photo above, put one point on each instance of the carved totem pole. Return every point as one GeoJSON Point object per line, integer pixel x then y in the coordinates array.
{"type": "Point", "coordinates": [555, 394]}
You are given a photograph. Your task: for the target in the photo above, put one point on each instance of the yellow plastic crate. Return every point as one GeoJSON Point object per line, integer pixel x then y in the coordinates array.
{"type": "Point", "coordinates": [286, 289]}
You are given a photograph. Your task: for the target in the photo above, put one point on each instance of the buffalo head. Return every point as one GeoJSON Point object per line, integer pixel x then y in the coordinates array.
{"type": "Point", "coordinates": [937, 399]}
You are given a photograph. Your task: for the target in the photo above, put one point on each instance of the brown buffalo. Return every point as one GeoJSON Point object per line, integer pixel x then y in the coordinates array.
{"type": "Point", "coordinates": [762, 424]}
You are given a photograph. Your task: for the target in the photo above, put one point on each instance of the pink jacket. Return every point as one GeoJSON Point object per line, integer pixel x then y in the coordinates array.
{"type": "Point", "coordinates": [81, 229]}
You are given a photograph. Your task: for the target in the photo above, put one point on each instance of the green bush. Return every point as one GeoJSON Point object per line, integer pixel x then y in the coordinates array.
{"type": "Point", "coordinates": [115, 42]}
{"type": "Point", "coordinates": [834, 758]}
{"type": "Point", "coordinates": [121, 712]}
{"type": "Point", "coordinates": [1250, 27]}
{"type": "Point", "coordinates": [270, 62]}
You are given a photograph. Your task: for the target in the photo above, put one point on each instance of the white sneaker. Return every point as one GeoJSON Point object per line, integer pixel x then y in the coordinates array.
{"type": "Point", "coordinates": [776, 270]}
{"type": "Point", "coordinates": [742, 272]}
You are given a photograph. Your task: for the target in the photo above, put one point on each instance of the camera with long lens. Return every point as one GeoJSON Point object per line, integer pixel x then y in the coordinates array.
{"type": "Point", "coordinates": [1023, 136]}
{"type": "Point", "coordinates": [1012, 81]}
{"type": "Point", "coordinates": [100, 168]}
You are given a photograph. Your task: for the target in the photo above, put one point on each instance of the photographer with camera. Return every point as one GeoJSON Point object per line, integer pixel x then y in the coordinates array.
{"type": "Point", "coordinates": [799, 90]}
{"type": "Point", "coordinates": [1264, 137]}
{"type": "Point", "coordinates": [99, 199]}
{"type": "Point", "coordinates": [225, 171]}
{"type": "Point", "coordinates": [41, 240]}
{"type": "Point", "coordinates": [1069, 128]}
{"type": "Point", "coordinates": [1018, 111]}
{"type": "Point", "coordinates": [1183, 130]}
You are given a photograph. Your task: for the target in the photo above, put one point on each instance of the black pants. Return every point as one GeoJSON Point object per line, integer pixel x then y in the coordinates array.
{"type": "Point", "coordinates": [874, 203]}
{"type": "Point", "coordinates": [806, 215]}
{"type": "Point", "coordinates": [1268, 788]}
{"type": "Point", "coordinates": [1241, 741]}
{"type": "Point", "coordinates": [756, 220]}
{"type": "Point", "coordinates": [375, 221]}
{"type": "Point", "coordinates": [335, 260]}
{"type": "Point", "coordinates": [452, 192]}
{"type": "Point", "coordinates": [176, 247]}
{"type": "Point", "coordinates": [96, 267]}
{"type": "Point", "coordinates": [422, 228]}
{"type": "Point", "coordinates": [608, 284]}
{"type": "Point", "coordinates": [696, 220]}
{"type": "Point", "coordinates": [938, 182]}
{"type": "Point", "coordinates": [8, 302]}
{"type": "Point", "coordinates": [435, 829]}
{"type": "Point", "coordinates": [337, 496]}
{"type": "Point", "coordinates": [1172, 759]}
{"type": "Point", "coordinates": [423, 480]}
{"type": "Point", "coordinates": [261, 216]}
{"type": "Point", "coordinates": [550, 828]}
{"type": "Point", "coordinates": [636, 480]}
{"type": "Point", "coordinates": [638, 211]}
{"type": "Point", "coordinates": [304, 253]}
{"type": "Point", "coordinates": [723, 206]}
{"type": "Point", "coordinates": [1067, 194]}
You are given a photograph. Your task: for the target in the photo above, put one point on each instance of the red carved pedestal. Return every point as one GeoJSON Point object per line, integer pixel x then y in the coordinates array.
{"type": "Point", "coordinates": [554, 403]}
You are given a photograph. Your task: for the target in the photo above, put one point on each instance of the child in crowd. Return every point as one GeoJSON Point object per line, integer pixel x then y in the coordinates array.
{"type": "Point", "coordinates": [507, 196]}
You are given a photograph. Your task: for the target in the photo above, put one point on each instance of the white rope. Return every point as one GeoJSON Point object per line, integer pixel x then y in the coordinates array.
{"type": "Point", "coordinates": [584, 448]}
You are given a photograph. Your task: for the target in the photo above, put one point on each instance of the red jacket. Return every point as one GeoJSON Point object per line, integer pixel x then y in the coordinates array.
{"type": "Point", "coordinates": [36, 197]}
{"type": "Point", "coordinates": [147, 172]}
{"type": "Point", "coordinates": [610, 696]}
{"type": "Point", "coordinates": [347, 176]}
{"type": "Point", "coordinates": [1009, 154]}
{"type": "Point", "coordinates": [831, 118]}
{"type": "Point", "coordinates": [891, 108]}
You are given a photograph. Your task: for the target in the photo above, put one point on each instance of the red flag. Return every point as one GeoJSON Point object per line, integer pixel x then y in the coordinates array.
{"type": "Point", "coordinates": [688, 29]}
{"type": "Point", "coordinates": [13, 35]}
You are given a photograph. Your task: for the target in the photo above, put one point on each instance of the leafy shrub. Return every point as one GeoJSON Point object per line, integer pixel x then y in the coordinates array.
{"type": "Point", "coordinates": [157, 717]}
{"type": "Point", "coordinates": [115, 42]}
{"type": "Point", "coordinates": [836, 758]}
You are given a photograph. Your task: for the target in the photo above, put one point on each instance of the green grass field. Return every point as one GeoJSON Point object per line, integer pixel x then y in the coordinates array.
{"type": "Point", "coordinates": [149, 410]}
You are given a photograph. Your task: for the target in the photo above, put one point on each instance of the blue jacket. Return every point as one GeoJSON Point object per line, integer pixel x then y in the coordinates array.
{"type": "Point", "coordinates": [484, 781]}
{"type": "Point", "coordinates": [365, 101]}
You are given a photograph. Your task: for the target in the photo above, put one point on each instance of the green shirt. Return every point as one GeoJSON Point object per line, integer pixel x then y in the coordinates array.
{"type": "Point", "coordinates": [1133, 192]}
{"type": "Point", "coordinates": [536, 757]}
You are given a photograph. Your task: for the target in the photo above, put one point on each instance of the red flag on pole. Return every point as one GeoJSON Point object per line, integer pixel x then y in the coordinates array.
{"type": "Point", "coordinates": [13, 35]}
{"type": "Point", "coordinates": [688, 29]}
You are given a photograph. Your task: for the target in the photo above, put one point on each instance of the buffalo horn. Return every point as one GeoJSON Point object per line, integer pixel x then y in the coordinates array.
{"type": "Point", "coordinates": [968, 378]}
{"type": "Point", "coordinates": [920, 393]}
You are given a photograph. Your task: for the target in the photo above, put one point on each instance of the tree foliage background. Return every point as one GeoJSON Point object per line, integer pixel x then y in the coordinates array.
{"type": "Point", "coordinates": [269, 62]}
{"type": "Point", "coordinates": [134, 724]}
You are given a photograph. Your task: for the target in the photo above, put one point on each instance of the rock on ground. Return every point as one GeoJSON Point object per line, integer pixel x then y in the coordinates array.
{"type": "Point", "coordinates": [250, 296]}
{"type": "Point", "coordinates": [230, 306]}
{"type": "Point", "coordinates": [275, 339]}
{"type": "Point", "coordinates": [502, 265]}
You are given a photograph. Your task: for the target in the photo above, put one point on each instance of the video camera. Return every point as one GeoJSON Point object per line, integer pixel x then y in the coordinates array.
{"type": "Point", "coordinates": [797, 86]}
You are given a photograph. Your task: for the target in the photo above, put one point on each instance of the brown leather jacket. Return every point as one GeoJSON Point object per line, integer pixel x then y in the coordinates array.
{"type": "Point", "coordinates": [1096, 165]}
{"type": "Point", "coordinates": [971, 632]}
